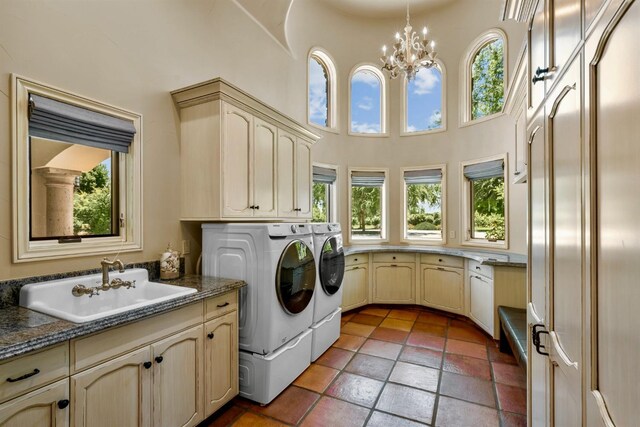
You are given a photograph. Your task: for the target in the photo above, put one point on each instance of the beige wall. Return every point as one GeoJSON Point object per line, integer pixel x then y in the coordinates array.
{"type": "Point", "coordinates": [133, 53]}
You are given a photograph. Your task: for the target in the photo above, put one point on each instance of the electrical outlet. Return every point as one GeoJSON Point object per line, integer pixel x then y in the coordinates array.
{"type": "Point", "coordinates": [186, 247]}
{"type": "Point", "coordinates": [452, 234]}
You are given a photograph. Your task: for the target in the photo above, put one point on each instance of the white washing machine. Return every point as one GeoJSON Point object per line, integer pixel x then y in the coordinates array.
{"type": "Point", "coordinates": [277, 262]}
{"type": "Point", "coordinates": [327, 240]}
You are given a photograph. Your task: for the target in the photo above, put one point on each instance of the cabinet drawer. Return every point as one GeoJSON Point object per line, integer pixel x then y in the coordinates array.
{"type": "Point", "coordinates": [476, 268]}
{"type": "Point", "coordinates": [25, 373]}
{"type": "Point", "coordinates": [356, 259]}
{"type": "Point", "coordinates": [222, 304]}
{"type": "Point", "coordinates": [445, 260]}
{"type": "Point", "coordinates": [394, 257]}
{"type": "Point", "coordinates": [89, 351]}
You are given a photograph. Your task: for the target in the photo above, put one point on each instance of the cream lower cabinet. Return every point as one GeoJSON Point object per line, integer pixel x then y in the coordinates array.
{"type": "Point", "coordinates": [442, 288]}
{"type": "Point", "coordinates": [157, 385]}
{"type": "Point", "coordinates": [355, 286]}
{"type": "Point", "coordinates": [220, 361]}
{"type": "Point", "coordinates": [394, 283]}
{"type": "Point", "coordinates": [481, 302]}
{"type": "Point", "coordinates": [45, 407]}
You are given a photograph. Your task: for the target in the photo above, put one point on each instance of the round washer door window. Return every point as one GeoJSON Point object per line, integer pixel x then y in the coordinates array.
{"type": "Point", "coordinates": [332, 265]}
{"type": "Point", "coordinates": [296, 277]}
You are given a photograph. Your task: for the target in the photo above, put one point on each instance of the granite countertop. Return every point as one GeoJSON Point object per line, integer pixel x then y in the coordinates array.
{"type": "Point", "coordinates": [500, 259]}
{"type": "Point", "coordinates": [23, 330]}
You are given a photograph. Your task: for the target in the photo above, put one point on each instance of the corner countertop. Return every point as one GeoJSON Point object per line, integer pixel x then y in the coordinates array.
{"type": "Point", "coordinates": [499, 259]}
{"type": "Point", "coordinates": [23, 330]}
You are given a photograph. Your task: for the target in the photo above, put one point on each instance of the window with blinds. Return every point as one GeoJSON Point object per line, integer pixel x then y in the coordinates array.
{"type": "Point", "coordinates": [367, 196]}
{"type": "Point", "coordinates": [324, 180]}
{"type": "Point", "coordinates": [485, 188]}
{"type": "Point", "coordinates": [424, 204]}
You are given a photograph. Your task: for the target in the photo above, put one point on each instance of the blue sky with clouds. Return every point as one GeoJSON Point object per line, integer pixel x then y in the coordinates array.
{"type": "Point", "coordinates": [365, 103]}
{"type": "Point", "coordinates": [424, 100]}
{"type": "Point", "coordinates": [317, 94]}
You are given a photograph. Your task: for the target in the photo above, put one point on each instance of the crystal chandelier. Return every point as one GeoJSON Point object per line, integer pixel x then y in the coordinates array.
{"type": "Point", "coordinates": [410, 54]}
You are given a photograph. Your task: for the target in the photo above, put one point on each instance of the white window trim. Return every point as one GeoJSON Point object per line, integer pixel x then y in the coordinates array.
{"type": "Point", "coordinates": [130, 192]}
{"type": "Point", "coordinates": [465, 75]}
{"type": "Point", "coordinates": [443, 111]}
{"type": "Point", "coordinates": [465, 205]}
{"type": "Point", "coordinates": [384, 221]}
{"type": "Point", "coordinates": [333, 212]}
{"type": "Point", "coordinates": [332, 95]}
{"type": "Point", "coordinates": [443, 205]}
{"type": "Point", "coordinates": [384, 96]}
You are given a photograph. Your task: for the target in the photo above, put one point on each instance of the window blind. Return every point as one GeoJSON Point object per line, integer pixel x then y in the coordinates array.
{"type": "Point", "coordinates": [491, 169]}
{"type": "Point", "coordinates": [51, 119]}
{"type": "Point", "coordinates": [423, 176]}
{"type": "Point", "coordinates": [367, 179]}
{"type": "Point", "coordinates": [324, 175]}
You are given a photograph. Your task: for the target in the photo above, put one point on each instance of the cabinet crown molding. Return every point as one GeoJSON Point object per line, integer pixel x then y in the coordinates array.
{"type": "Point", "coordinates": [220, 89]}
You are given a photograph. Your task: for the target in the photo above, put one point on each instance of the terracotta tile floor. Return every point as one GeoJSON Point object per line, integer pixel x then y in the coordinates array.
{"type": "Point", "coordinates": [397, 366]}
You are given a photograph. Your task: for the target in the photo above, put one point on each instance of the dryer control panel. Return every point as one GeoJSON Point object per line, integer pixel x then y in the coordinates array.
{"type": "Point", "coordinates": [289, 229]}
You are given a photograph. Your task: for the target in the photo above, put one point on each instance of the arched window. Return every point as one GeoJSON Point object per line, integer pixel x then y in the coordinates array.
{"type": "Point", "coordinates": [485, 76]}
{"type": "Point", "coordinates": [424, 101]}
{"type": "Point", "coordinates": [321, 93]}
{"type": "Point", "coordinates": [367, 106]}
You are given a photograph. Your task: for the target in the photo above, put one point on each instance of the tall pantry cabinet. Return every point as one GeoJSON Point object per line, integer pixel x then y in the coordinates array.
{"type": "Point", "coordinates": [583, 129]}
{"type": "Point", "coordinates": [240, 159]}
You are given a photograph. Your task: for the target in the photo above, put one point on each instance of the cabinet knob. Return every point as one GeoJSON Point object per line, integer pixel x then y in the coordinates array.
{"type": "Point", "coordinates": [478, 267]}
{"type": "Point", "coordinates": [537, 79]}
{"type": "Point", "coordinates": [146, 365]}
{"type": "Point", "coordinates": [159, 359]}
{"type": "Point", "coordinates": [439, 259]}
{"type": "Point", "coordinates": [252, 207]}
{"type": "Point", "coordinates": [257, 207]}
{"type": "Point", "coordinates": [210, 335]}
{"type": "Point", "coordinates": [542, 71]}
{"type": "Point", "coordinates": [355, 259]}
{"type": "Point", "coordinates": [63, 403]}
{"type": "Point", "coordinates": [394, 257]}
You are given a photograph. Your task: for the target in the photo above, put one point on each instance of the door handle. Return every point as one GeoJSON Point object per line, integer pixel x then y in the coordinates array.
{"type": "Point", "coordinates": [536, 330]}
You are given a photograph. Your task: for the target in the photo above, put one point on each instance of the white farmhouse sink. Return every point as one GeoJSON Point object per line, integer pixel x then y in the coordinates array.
{"type": "Point", "coordinates": [55, 298]}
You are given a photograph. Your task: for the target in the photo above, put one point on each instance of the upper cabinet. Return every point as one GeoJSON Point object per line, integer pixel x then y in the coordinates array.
{"type": "Point", "coordinates": [554, 35]}
{"type": "Point", "coordinates": [240, 159]}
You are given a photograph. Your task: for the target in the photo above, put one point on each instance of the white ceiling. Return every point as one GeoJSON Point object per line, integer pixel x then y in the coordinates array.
{"type": "Point", "coordinates": [383, 8]}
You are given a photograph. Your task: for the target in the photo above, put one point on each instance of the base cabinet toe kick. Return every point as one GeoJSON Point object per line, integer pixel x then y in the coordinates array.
{"type": "Point", "coordinates": [172, 369]}
{"type": "Point", "coordinates": [450, 283]}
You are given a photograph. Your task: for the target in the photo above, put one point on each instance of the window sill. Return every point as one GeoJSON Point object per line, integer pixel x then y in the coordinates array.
{"type": "Point", "coordinates": [357, 241]}
{"type": "Point", "coordinates": [468, 123]}
{"type": "Point", "coordinates": [481, 243]}
{"type": "Point", "coordinates": [423, 132]}
{"type": "Point", "coordinates": [369, 135]}
{"type": "Point", "coordinates": [418, 242]}
{"type": "Point", "coordinates": [47, 249]}
{"type": "Point", "coordinates": [324, 128]}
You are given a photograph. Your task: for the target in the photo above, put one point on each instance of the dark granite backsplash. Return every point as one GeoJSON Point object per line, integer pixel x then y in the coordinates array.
{"type": "Point", "coordinates": [10, 289]}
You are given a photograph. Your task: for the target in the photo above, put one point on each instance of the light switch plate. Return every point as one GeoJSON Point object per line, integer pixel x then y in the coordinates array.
{"type": "Point", "coordinates": [186, 247]}
{"type": "Point", "coordinates": [452, 234]}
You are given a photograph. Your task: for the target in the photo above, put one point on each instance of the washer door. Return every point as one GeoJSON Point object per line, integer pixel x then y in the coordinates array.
{"type": "Point", "coordinates": [296, 277]}
{"type": "Point", "coordinates": [332, 265]}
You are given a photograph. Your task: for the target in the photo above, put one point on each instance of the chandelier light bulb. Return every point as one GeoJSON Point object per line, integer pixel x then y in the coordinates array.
{"type": "Point", "coordinates": [397, 36]}
{"type": "Point", "coordinates": [433, 44]}
{"type": "Point", "coordinates": [384, 49]}
{"type": "Point", "coordinates": [424, 32]}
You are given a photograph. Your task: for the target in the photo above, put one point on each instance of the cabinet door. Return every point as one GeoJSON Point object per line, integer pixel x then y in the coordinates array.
{"type": "Point", "coordinates": [355, 285]}
{"type": "Point", "coordinates": [303, 179]}
{"type": "Point", "coordinates": [394, 283]}
{"type": "Point", "coordinates": [566, 264]}
{"type": "Point", "coordinates": [286, 175]}
{"type": "Point", "coordinates": [237, 175]}
{"type": "Point", "coordinates": [115, 393]}
{"type": "Point", "coordinates": [443, 288]}
{"type": "Point", "coordinates": [177, 379]}
{"type": "Point", "coordinates": [537, 56]}
{"type": "Point", "coordinates": [221, 361]}
{"type": "Point", "coordinates": [264, 169]}
{"type": "Point", "coordinates": [520, 173]}
{"type": "Point", "coordinates": [564, 30]}
{"type": "Point", "coordinates": [481, 302]}
{"type": "Point", "coordinates": [44, 407]}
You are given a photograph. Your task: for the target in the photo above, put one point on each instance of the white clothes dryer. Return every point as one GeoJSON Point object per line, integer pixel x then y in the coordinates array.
{"type": "Point", "coordinates": [329, 253]}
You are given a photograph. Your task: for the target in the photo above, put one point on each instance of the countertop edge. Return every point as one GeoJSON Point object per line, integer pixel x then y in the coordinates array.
{"type": "Point", "coordinates": [75, 330]}
{"type": "Point", "coordinates": [498, 259]}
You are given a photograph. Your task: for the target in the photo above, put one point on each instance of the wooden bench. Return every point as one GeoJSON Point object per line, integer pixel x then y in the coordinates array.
{"type": "Point", "coordinates": [513, 333]}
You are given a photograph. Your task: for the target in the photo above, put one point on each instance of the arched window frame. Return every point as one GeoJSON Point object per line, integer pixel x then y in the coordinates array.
{"type": "Point", "coordinates": [465, 74]}
{"type": "Point", "coordinates": [384, 131]}
{"type": "Point", "coordinates": [327, 61]}
{"type": "Point", "coordinates": [443, 112]}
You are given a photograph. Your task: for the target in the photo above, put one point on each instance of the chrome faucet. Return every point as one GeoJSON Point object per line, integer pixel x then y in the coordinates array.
{"type": "Point", "coordinates": [105, 263]}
